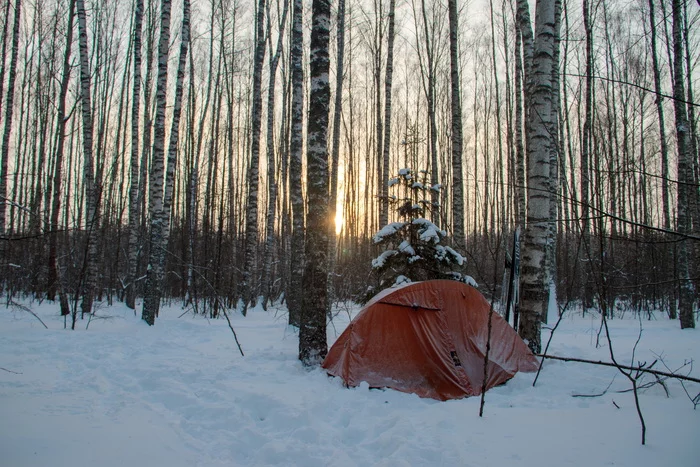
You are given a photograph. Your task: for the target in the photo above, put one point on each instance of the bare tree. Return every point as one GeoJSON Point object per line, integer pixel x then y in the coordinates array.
{"type": "Point", "coordinates": [154, 274]}
{"type": "Point", "coordinates": [539, 85]}
{"type": "Point", "coordinates": [294, 294]}
{"type": "Point", "coordinates": [271, 164]}
{"type": "Point", "coordinates": [686, 295]}
{"type": "Point", "coordinates": [662, 126]}
{"type": "Point", "coordinates": [251, 216]}
{"type": "Point", "coordinates": [53, 275]}
{"type": "Point", "coordinates": [132, 248]}
{"type": "Point", "coordinates": [335, 142]}
{"type": "Point", "coordinates": [90, 184]}
{"type": "Point", "coordinates": [8, 117]}
{"type": "Point", "coordinates": [312, 331]}
{"type": "Point", "coordinates": [386, 139]}
{"type": "Point", "coordinates": [456, 136]}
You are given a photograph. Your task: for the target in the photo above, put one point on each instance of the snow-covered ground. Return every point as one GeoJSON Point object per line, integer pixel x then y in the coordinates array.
{"type": "Point", "coordinates": [180, 394]}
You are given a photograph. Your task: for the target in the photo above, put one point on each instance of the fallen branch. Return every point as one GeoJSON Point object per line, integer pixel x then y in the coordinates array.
{"type": "Point", "coordinates": [625, 367]}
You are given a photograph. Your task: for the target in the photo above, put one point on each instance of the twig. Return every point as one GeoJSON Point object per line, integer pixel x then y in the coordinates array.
{"type": "Point", "coordinates": [596, 395]}
{"type": "Point", "coordinates": [549, 341]}
{"type": "Point", "coordinates": [235, 337]}
{"type": "Point", "coordinates": [694, 400]}
{"type": "Point", "coordinates": [628, 375]}
{"type": "Point", "coordinates": [624, 367]}
{"type": "Point", "coordinates": [10, 371]}
{"type": "Point", "coordinates": [28, 310]}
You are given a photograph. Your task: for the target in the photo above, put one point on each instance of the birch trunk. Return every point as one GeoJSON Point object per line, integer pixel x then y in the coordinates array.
{"type": "Point", "coordinates": [132, 251]}
{"type": "Point", "coordinates": [386, 139]}
{"type": "Point", "coordinates": [271, 164]}
{"type": "Point", "coordinates": [251, 215]}
{"type": "Point", "coordinates": [554, 155]}
{"type": "Point", "coordinates": [154, 273]}
{"type": "Point", "coordinates": [8, 120]}
{"type": "Point", "coordinates": [295, 188]}
{"type": "Point", "coordinates": [666, 209]}
{"type": "Point", "coordinates": [534, 286]}
{"type": "Point", "coordinates": [456, 137]}
{"type": "Point", "coordinates": [335, 151]}
{"type": "Point", "coordinates": [686, 295]}
{"type": "Point", "coordinates": [312, 331]}
{"type": "Point", "coordinates": [53, 274]}
{"type": "Point", "coordinates": [586, 155]}
{"type": "Point", "coordinates": [89, 182]}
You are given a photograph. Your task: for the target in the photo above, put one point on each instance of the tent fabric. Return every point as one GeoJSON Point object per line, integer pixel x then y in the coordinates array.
{"type": "Point", "coordinates": [428, 338]}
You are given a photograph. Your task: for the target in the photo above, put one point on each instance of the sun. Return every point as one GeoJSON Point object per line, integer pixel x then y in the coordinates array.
{"type": "Point", "coordinates": [339, 219]}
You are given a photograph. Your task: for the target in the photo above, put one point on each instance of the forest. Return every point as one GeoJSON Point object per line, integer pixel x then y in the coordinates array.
{"type": "Point", "coordinates": [228, 153]}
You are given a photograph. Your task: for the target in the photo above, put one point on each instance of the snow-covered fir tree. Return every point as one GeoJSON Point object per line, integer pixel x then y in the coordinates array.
{"type": "Point", "coordinates": [413, 245]}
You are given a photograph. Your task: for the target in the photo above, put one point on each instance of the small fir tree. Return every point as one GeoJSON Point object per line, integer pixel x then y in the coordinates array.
{"type": "Point", "coordinates": [413, 249]}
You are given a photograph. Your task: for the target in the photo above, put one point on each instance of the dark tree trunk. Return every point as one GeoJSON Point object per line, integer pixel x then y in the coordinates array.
{"type": "Point", "coordinates": [312, 331]}
{"type": "Point", "coordinates": [295, 188]}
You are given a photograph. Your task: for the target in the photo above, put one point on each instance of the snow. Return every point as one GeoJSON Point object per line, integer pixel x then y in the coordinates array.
{"type": "Point", "coordinates": [469, 280]}
{"type": "Point", "coordinates": [429, 231]}
{"type": "Point", "coordinates": [400, 280]}
{"type": "Point", "coordinates": [387, 230]}
{"type": "Point", "coordinates": [180, 394]}
{"type": "Point", "coordinates": [457, 257]}
{"type": "Point", "coordinates": [405, 247]}
{"type": "Point", "coordinates": [380, 260]}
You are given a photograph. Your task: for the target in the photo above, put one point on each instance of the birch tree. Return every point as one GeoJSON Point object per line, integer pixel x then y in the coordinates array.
{"type": "Point", "coordinates": [89, 182]}
{"type": "Point", "coordinates": [312, 331]}
{"type": "Point", "coordinates": [335, 148]}
{"type": "Point", "coordinates": [154, 274]}
{"type": "Point", "coordinates": [666, 210]}
{"type": "Point", "coordinates": [295, 148]}
{"type": "Point", "coordinates": [132, 248]}
{"type": "Point", "coordinates": [686, 295]}
{"type": "Point", "coordinates": [456, 136]}
{"type": "Point", "coordinates": [386, 139]}
{"type": "Point", "coordinates": [53, 273]}
{"type": "Point", "coordinates": [539, 85]}
{"type": "Point", "coordinates": [251, 215]}
{"type": "Point", "coordinates": [271, 164]}
{"type": "Point", "coordinates": [9, 108]}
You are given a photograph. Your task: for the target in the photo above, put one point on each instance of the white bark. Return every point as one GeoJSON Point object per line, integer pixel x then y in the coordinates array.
{"type": "Point", "coordinates": [312, 330]}
{"type": "Point", "coordinates": [534, 285]}
{"type": "Point", "coordinates": [154, 274]}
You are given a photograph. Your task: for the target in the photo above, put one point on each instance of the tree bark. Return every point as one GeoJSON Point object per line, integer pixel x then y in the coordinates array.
{"type": "Point", "coordinates": [89, 181]}
{"type": "Point", "coordinates": [132, 248]}
{"type": "Point", "coordinates": [294, 294]}
{"type": "Point", "coordinates": [386, 139]}
{"type": "Point", "coordinates": [666, 209]}
{"type": "Point", "coordinates": [456, 136]}
{"type": "Point", "coordinates": [271, 164]}
{"type": "Point", "coordinates": [534, 286]}
{"type": "Point", "coordinates": [53, 274]}
{"type": "Point", "coordinates": [335, 148]}
{"type": "Point", "coordinates": [9, 109]}
{"type": "Point", "coordinates": [154, 273]}
{"type": "Point", "coordinates": [312, 332]}
{"type": "Point", "coordinates": [251, 216]}
{"type": "Point", "coordinates": [686, 295]}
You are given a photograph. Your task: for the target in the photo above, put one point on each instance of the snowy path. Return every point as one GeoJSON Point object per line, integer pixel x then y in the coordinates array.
{"type": "Point", "coordinates": [180, 394]}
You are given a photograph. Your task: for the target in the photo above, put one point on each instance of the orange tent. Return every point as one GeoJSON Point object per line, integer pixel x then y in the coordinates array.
{"type": "Point", "coordinates": [428, 338]}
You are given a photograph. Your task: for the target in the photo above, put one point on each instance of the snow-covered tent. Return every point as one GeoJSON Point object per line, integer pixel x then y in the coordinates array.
{"type": "Point", "coordinates": [428, 338]}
